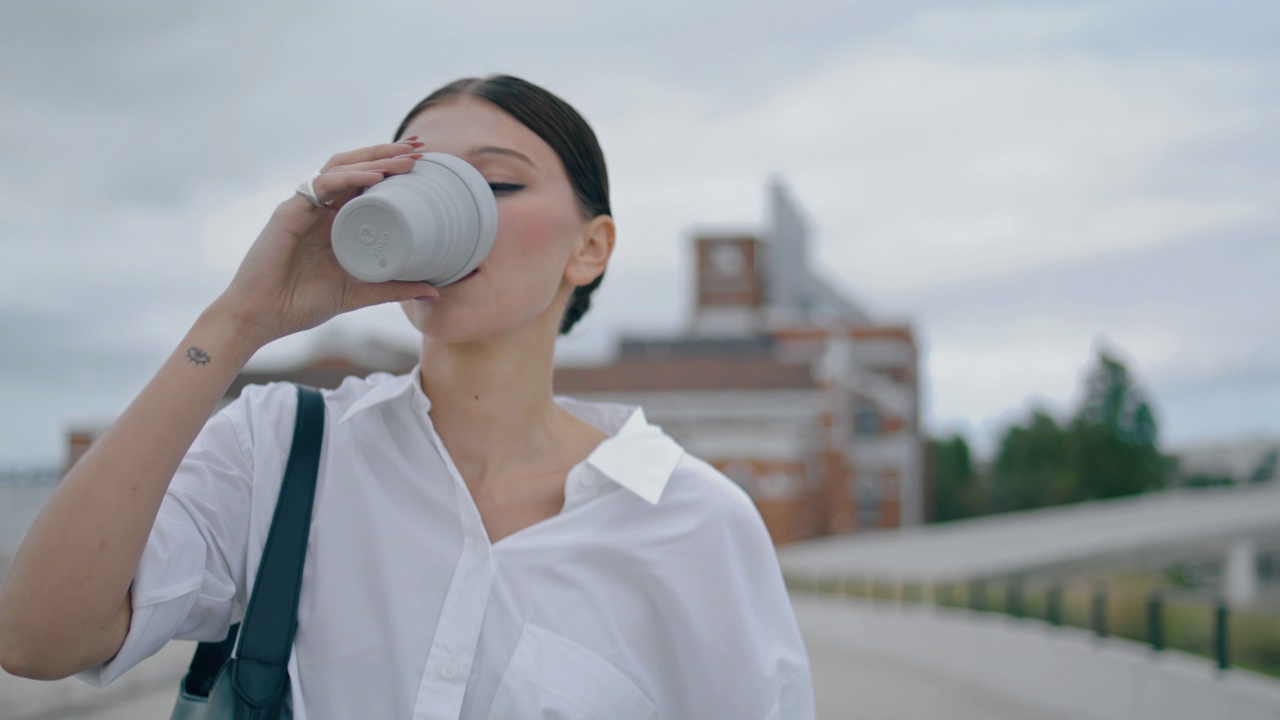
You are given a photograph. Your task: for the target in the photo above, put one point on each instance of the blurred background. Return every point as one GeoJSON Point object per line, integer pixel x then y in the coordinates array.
{"type": "Point", "coordinates": [976, 300]}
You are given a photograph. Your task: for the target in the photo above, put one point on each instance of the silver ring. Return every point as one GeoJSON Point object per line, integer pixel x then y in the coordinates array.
{"type": "Point", "coordinates": [308, 191]}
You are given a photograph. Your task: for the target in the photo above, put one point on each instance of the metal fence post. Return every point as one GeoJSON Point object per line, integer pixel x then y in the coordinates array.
{"type": "Point", "coordinates": [1100, 611]}
{"type": "Point", "coordinates": [1053, 605]}
{"type": "Point", "coordinates": [978, 594]}
{"type": "Point", "coordinates": [1155, 622]}
{"type": "Point", "coordinates": [1221, 636]}
{"type": "Point", "coordinates": [1013, 598]}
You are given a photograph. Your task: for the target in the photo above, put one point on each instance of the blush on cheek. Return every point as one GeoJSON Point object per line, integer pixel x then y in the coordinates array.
{"type": "Point", "coordinates": [531, 229]}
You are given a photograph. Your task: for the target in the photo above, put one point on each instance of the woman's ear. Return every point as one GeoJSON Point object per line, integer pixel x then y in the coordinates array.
{"type": "Point", "coordinates": [593, 251]}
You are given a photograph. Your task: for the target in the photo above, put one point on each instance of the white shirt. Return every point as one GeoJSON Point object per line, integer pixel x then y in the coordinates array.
{"type": "Point", "coordinates": [655, 593]}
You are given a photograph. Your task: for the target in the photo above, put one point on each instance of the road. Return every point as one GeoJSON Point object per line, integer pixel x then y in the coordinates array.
{"type": "Point", "coordinates": [850, 685]}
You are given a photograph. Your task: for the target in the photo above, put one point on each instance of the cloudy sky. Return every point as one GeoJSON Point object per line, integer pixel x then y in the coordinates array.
{"type": "Point", "coordinates": [1023, 182]}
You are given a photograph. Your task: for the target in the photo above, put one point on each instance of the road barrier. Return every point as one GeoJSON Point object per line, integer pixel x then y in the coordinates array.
{"type": "Point", "coordinates": [1165, 618]}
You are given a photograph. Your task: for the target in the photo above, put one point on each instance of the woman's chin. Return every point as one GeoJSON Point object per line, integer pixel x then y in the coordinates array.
{"type": "Point", "coordinates": [439, 323]}
{"type": "Point", "coordinates": [463, 317]}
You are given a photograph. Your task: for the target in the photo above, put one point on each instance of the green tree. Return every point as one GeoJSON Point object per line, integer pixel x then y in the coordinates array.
{"type": "Point", "coordinates": [1113, 435]}
{"type": "Point", "coordinates": [957, 492]}
{"type": "Point", "coordinates": [1034, 467]}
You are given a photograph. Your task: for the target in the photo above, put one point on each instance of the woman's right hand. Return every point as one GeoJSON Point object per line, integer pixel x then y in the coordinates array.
{"type": "Point", "coordinates": [290, 280]}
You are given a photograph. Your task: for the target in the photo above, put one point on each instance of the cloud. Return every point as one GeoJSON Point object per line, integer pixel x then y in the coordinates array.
{"type": "Point", "coordinates": [50, 378]}
{"type": "Point", "coordinates": [960, 164]}
{"type": "Point", "coordinates": [227, 234]}
{"type": "Point", "coordinates": [1188, 316]}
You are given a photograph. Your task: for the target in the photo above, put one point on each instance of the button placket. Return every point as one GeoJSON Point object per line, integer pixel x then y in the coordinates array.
{"type": "Point", "coordinates": [444, 681]}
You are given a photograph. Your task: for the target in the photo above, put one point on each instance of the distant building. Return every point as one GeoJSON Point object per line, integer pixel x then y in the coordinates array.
{"type": "Point", "coordinates": [1243, 460]}
{"type": "Point", "coordinates": [333, 360]}
{"type": "Point", "coordinates": [78, 441]}
{"type": "Point", "coordinates": [786, 386]}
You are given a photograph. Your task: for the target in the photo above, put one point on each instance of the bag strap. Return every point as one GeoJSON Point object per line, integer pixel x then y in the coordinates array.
{"type": "Point", "coordinates": [271, 620]}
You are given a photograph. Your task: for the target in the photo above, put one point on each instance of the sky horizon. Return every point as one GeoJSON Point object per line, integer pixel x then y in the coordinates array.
{"type": "Point", "coordinates": [1021, 182]}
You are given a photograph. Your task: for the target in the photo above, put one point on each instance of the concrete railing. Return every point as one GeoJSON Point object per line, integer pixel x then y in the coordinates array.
{"type": "Point", "coordinates": [1068, 671]}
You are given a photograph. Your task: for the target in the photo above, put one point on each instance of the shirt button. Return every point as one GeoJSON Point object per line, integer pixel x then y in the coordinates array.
{"type": "Point", "coordinates": [449, 670]}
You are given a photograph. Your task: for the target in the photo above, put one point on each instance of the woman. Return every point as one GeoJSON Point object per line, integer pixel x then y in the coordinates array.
{"type": "Point", "coordinates": [479, 548]}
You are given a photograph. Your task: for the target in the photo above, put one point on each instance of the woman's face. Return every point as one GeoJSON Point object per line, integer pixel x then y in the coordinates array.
{"type": "Point", "coordinates": [537, 255]}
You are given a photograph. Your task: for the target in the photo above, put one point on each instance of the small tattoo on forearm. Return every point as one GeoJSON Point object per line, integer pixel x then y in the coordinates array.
{"type": "Point", "coordinates": [197, 356]}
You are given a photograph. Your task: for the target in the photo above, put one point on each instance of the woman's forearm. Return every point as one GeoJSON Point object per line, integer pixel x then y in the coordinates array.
{"type": "Point", "coordinates": [64, 603]}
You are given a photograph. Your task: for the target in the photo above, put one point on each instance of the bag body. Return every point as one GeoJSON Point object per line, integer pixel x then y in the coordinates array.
{"type": "Point", "coordinates": [226, 701]}
{"type": "Point", "coordinates": [189, 707]}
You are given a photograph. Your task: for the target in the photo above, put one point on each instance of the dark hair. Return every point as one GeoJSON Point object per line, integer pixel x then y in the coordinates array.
{"type": "Point", "coordinates": [557, 123]}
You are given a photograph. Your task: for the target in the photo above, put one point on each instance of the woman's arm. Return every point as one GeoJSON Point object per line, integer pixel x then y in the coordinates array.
{"type": "Point", "coordinates": [64, 604]}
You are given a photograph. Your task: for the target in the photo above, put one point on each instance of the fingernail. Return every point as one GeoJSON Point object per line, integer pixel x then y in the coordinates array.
{"type": "Point", "coordinates": [411, 137]}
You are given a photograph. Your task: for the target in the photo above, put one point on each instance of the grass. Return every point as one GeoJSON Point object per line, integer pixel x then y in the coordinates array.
{"type": "Point", "coordinates": [1189, 621]}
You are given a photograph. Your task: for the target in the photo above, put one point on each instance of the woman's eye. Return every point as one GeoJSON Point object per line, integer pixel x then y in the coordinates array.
{"type": "Point", "coordinates": [504, 188]}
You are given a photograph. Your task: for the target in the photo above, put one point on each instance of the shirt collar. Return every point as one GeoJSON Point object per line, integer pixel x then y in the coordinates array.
{"type": "Point", "coordinates": [384, 391]}
{"type": "Point", "coordinates": [637, 455]}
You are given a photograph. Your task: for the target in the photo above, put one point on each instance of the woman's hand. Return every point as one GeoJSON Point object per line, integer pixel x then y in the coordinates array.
{"type": "Point", "coordinates": [290, 280]}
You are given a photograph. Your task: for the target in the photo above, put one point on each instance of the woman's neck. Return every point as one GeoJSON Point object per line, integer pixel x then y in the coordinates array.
{"type": "Point", "coordinates": [491, 403]}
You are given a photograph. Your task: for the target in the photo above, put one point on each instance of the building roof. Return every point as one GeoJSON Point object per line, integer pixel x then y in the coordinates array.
{"type": "Point", "coordinates": [686, 373]}
{"type": "Point", "coordinates": [323, 373]}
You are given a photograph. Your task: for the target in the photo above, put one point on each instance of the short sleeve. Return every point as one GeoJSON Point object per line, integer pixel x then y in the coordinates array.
{"type": "Point", "coordinates": [747, 624]}
{"type": "Point", "coordinates": [782, 661]}
{"type": "Point", "coordinates": [190, 578]}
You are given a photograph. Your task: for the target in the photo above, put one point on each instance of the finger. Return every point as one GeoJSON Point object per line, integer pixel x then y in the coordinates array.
{"type": "Point", "coordinates": [373, 152]}
{"type": "Point", "coordinates": [332, 186]}
{"type": "Point", "coordinates": [397, 165]}
{"type": "Point", "coordinates": [366, 294]}
{"type": "Point", "coordinates": [394, 165]}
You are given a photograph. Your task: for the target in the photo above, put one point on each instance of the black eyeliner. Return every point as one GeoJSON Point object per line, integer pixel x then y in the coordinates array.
{"type": "Point", "coordinates": [504, 188]}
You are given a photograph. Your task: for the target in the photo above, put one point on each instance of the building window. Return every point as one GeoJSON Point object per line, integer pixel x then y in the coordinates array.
{"type": "Point", "coordinates": [775, 486]}
{"type": "Point", "coordinates": [869, 497]}
{"type": "Point", "coordinates": [867, 419]}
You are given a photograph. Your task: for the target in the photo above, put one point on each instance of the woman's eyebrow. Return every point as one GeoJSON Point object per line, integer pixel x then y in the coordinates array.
{"type": "Point", "coordinates": [495, 150]}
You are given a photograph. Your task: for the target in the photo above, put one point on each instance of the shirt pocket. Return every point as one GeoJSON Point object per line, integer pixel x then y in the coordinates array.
{"type": "Point", "coordinates": [553, 678]}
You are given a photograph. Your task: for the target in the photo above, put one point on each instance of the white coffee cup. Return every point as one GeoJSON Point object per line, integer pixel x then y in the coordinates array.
{"type": "Point", "coordinates": [435, 223]}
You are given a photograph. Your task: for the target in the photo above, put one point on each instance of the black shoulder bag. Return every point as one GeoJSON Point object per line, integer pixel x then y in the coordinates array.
{"type": "Point", "coordinates": [253, 685]}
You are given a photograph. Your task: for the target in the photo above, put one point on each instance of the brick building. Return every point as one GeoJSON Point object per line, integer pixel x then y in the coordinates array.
{"type": "Point", "coordinates": [783, 384]}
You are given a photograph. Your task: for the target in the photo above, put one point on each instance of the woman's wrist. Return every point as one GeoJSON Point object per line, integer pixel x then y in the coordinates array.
{"type": "Point", "coordinates": [221, 333]}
